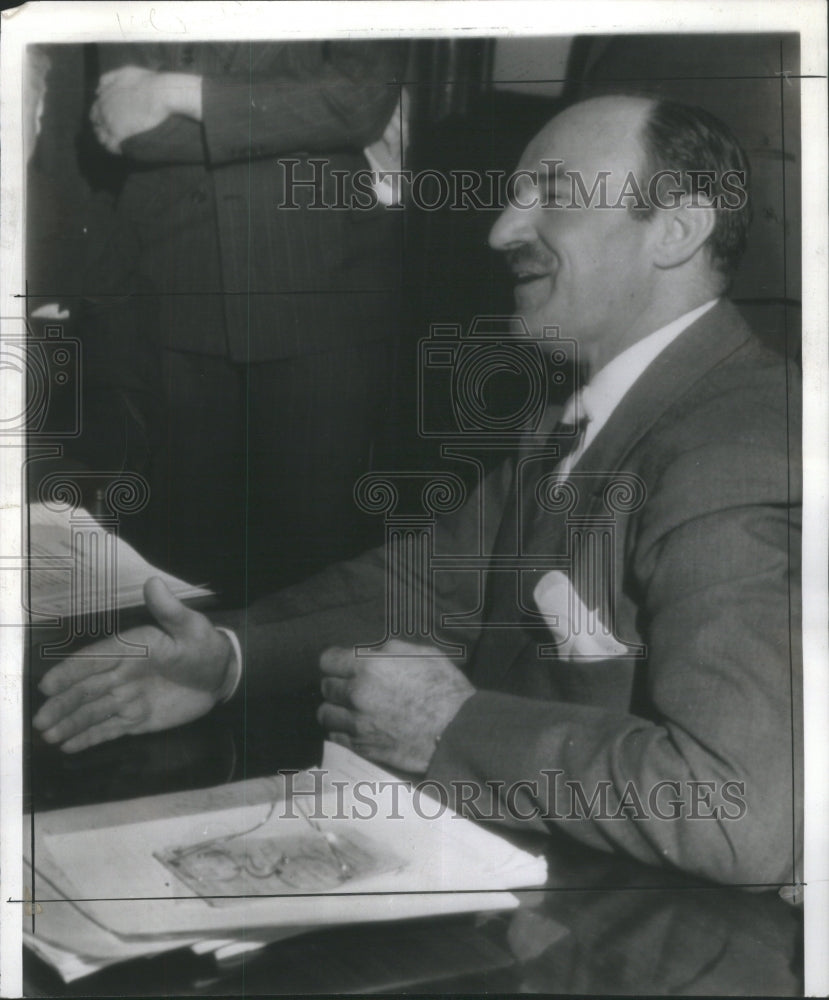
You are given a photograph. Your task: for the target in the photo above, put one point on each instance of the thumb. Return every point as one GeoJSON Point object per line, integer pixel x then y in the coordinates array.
{"type": "Point", "coordinates": [172, 616]}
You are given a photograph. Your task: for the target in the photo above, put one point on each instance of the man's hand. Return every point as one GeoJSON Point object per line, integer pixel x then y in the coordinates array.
{"type": "Point", "coordinates": [392, 708]}
{"type": "Point", "coordinates": [100, 694]}
{"type": "Point", "coordinates": [131, 100]}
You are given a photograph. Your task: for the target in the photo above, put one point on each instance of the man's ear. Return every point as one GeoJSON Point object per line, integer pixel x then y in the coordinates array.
{"type": "Point", "coordinates": [682, 231]}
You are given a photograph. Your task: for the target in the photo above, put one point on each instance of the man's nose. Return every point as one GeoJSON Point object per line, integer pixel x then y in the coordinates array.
{"type": "Point", "coordinates": [512, 228]}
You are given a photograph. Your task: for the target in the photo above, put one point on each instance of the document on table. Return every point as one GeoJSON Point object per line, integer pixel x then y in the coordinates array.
{"type": "Point", "coordinates": [76, 567]}
{"type": "Point", "coordinates": [73, 943]}
{"type": "Point", "coordinates": [76, 946]}
{"type": "Point", "coordinates": [282, 857]}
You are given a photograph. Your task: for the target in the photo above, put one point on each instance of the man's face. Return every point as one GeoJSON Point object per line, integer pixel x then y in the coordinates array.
{"type": "Point", "coordinates": [586, 270]}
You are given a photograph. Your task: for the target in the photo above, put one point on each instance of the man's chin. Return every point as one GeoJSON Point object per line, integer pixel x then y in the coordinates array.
{"type": "Point", "coordinates": [534, 293]}
{"type": "Point", "coordinates": [532, 302]}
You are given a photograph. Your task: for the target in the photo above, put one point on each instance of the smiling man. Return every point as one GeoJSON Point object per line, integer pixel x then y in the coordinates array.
{"type": "Point", "coordinates": [668, 728]}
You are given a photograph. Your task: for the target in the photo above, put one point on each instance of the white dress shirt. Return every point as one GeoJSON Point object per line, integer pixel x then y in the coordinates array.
{"type": "Point", "coordinates": [596, 401]}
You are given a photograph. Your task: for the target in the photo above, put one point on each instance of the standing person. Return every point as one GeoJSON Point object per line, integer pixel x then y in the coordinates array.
{"type": "Point", "coordinates": [277, 298]}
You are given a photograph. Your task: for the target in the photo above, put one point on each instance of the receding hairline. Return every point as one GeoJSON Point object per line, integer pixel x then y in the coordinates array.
{"type": "Point", "coordinates": [611, 104]}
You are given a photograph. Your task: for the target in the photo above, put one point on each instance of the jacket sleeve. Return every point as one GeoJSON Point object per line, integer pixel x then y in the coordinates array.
{"type": "Point", "coordinates": [303, 97]}
{"type": "Point", "coordinates": [327, 96]}
{"type": "Point", "coordinates": [283, 635]}
{"type": "Point", "coordinates": [714, 571]}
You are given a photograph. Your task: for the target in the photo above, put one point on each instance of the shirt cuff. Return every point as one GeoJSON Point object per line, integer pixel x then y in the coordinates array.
{"type": "Point", "coordinates": [384, 189]}
{"type": "Point", "coordinates": [234, 672]}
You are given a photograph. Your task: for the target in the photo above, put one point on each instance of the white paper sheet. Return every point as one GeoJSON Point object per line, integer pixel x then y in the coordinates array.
{"type": "Point", "coordinates": [77, 567]}
{"type": "Point", "coordinates": [446, 864]}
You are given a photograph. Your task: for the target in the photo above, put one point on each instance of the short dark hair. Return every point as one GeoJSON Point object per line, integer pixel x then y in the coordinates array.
{"type": "Point", "coordinates": [683, 138]}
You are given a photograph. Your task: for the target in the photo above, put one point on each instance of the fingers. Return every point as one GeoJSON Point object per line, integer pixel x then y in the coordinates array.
{"type": "Point", "coordinates": [109, 730]}
{"type": "Point", "coordinates": [177, 620]}
{"type": "Point", "coordinates": [338, 662]}
{"type": "Point", "coordinates": [107, 139]}
{"type": "Point", "coordinates": [343, 739]}
{"type": "Point", "coordinates": [101, 128]}
{"type": "Point", "coordinates": [337, 690]}
{"type": "Point", "coordinates": [124, 707]}
{"type": "Point", "coordinates": [98, 120]}
{"type": "Point", "coordinates": [102, 658]}
{"type": "Point", "coordinates": [99, 117]}
{"type": "Point", "coordinates": [107, 79]}
{"type": "Point", "coordinates": [120, 75]}
{"type": "Point", "coordinates": [335, 718]}
{"type": "Point", "coordinates": [132, 713]}
{"type": "Point", "coordinates": [89, 689]}
{"type": "Point", "coordinates": [335, 715]}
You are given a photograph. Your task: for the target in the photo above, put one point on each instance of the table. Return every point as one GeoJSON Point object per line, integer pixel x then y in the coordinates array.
{"type": "Point", "coordinates": [602, 924]}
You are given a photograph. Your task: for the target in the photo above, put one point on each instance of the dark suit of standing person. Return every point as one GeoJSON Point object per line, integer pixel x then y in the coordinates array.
{"type": "Point", "coordinates": [277, 312]}
{"type": "Point", "coordinates": [658, 680]}
{"type": "Point", "coordinates": [116, 373]}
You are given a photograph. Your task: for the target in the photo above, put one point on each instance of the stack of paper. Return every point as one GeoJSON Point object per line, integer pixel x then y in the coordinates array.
{"type": "Point", "coordinates": [240, 865]}
{"type": "Point", "coordinates": [77, 567]}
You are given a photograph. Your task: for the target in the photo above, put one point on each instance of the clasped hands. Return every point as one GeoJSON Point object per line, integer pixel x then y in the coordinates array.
{"type": "Point", "coordinates": [392, 707]}
{"type": "Point", "coordinates": [131, 100]}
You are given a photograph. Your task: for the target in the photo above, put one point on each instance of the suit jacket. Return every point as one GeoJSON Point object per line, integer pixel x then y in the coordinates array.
{"type": "Point", "coordinates": [691, 492]}
{"type": "Point", "coordinates": [238, 274]}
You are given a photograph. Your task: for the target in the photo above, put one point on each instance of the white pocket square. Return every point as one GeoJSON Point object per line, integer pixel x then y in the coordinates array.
{"type": "Point", "coordinates": [579, 632]}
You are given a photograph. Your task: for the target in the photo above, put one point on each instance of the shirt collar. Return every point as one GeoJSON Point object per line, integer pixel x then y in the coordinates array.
{"type": "Point", "coordinates": [596, 400]}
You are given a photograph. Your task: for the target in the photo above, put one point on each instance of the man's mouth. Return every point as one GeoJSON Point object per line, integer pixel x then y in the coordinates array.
{"type": "Point", "coordinates": [525, 277]}
{"type": "Point", "coordinates": [533, 288]}
{"type": "Point", "coordinates": [528, 264]}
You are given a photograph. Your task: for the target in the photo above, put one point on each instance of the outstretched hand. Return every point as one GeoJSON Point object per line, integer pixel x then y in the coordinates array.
{"type": "Point", "coordinates": [100, 694]}
{"type": "Point", "coordinates": [394, 707]}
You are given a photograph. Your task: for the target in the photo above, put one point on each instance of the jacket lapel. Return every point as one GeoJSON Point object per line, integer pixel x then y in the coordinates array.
{"type": "Point", "coordinates": [696, 352]}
